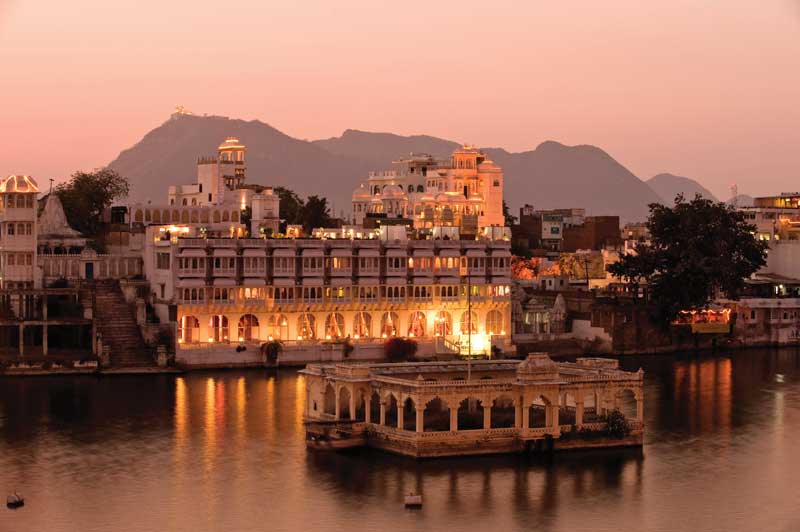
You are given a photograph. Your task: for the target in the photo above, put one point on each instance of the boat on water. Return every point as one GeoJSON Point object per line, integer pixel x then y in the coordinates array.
{"type": "Point", "coordinates": [15, 500]}
{"type": "Point", "coordinates": [333, 436]}
{"type": "Point", "coordinates": [413, 500]}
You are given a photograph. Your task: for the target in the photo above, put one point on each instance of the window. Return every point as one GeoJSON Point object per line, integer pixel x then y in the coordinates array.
{"type": "Point", "coordinates": [248, 328]}
{"type": "Point", "coordinates": [494, 322]}
{"type": "Point", "coordinates": [362, 325]}
{"type": "Point", "coordinates": [11, 259]}
{"type": "Point", "coordinates": [10, 229]}
{"type": "Point", "coordinates": [162, 261]}
{"type": "Point", "coordinates": [368, 294]}
{"type": "Point", "coordinates": [219, 328]}
{"type": "Point", "coordinates": [306, 326]}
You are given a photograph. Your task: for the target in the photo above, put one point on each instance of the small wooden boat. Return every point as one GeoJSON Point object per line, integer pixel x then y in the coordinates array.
{"type": "Point", "coordinates": [15, 501]}
{"type": "Point", "coordinates": [333, 435]}
{"type": "Point", "coordinates": [412, 500]}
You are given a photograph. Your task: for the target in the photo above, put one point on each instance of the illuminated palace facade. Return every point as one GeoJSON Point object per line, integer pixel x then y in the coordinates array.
{"type": "Point", "coordinates": [451, 296]}
{"type": "Point", "coordinates": [465, 192]}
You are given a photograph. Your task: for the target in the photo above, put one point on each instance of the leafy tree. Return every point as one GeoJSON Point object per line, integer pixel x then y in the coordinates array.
{"type": "Point", "coordinates": [291, 207]}
{"type": "Point", "coordinates": [87, 194]}
{"type": "Point", "coordinates": [697, 248]}
{"type": "Point", "coordinates": [315, 213]}
{"type": "Point", "coordinates": [400, 349]}
{"type": "Point", "coordinates": [510, 218]}
{"type": "Point", "coordinates": [616, 425]}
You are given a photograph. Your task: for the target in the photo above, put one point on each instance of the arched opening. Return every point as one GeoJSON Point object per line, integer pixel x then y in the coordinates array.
{"type": "Point", "coordinates": [416, 325]}
{"type": "Point", "coordinates": [278, 327]}
{"type": "Point", "coordinates": [185, 217]}
{"type": "Point", "coordinates": [409, 415]}
{"type": "Point", "coordinates": [436, 417]}
{"type": "Point", "coordinates": [216, 217]}
{"type": "Point", "coordinates": [420, 188]}
{"type": "Point", "coordinates": [156, 217]}
{"type": "Point", "coordinates": [470, 414]}
{"type": "Point", "coordinates": [329, 401]}
{"type": "Point", "coordinates": [195, 217]}
{"type": "Point", "coordinates": [537, 413]}
{"type": "Point", "coordinates": [361, 410]}
{"type": "Point", "coordinates": [627, 404]}
{"type": "Point", "coordinates": [591, 410]}
{"type": "Point", "coordinates": [189, 329]}
{"type": "Point", "coordinates": [235, 216]}
{"type": "Point", "coordinates": [248, 328]}
{"type": "Point", "coordinates": [566, 409]}
{"type": "Point", "coordinates": [334, 326]}
{"type": "Point", "coordinates": [362, 325]}
{"type": "Point", "coordinates": [389, 324]}
{"type": "Point", "coordinates": [137, 217]}
{"type": "Point", "coordinates": [148, 216]}
{"type": "Point", "coordinates": [391, 411]}
{"type": "Point", "coordinates": [176, 216]}
{"type": "Point", "coordinates": [226, 216]}
{"type": "Point", "coordinates": [306, 326]}
{"type": "Point", "coordinates": [494, 322]}
{"type": "Point", "coordinates": [503, 412]}
{"type": "Point", "coordinates": [219, 328]}
{"type": "Point", "coordinates": [469, 322]}
{"type": "Point", "coordinates": [344, 403]}
{"type": "Point", "coordinates": [375, 408]}
{"type": "Point", "coordinates": [443, 324]}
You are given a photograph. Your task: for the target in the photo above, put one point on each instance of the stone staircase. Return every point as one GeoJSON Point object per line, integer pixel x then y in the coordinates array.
{"type": "Point", "coordinates": [116, 323]}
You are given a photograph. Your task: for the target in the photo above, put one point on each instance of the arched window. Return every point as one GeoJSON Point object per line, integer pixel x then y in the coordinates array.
{"type": "Point", "coordinates": [137, 217]}
{"type": "Point", "coordinates": [194, 201]}
{"type": "Point", "coordinates": [216, 217]}
{"type": "Point", "coordinates": [306, 326]}
{"type": "Point", "coordinates": [334, 326]}
{"type": "Point", "coordinates": [235, 216]}
{"type": "Point", "coordinates": [188, 329]}
{"type": "Point", "coordinates": [195, 217]}
{"type": "Point", "coordinates": [183, 202]}
{"type": "Point", "coordinates": [185, 217]}
{"type": "Point", "coordinates": [248, 328]}
{"type": "Point", "coordinates": [389, 323]}
{"type": "Point", "coordinates": [278, 327]}
{"type": "Point", "coordinates": [219, 328]}
{"type": "Point", "coordinates": [362, 325]}
{"type": "Point", "coordinates": [225, 216]}
{"type": "Point", "coordinates": [157, 216]}
{"type": "Point", "coordinates": [416, 325]}
{"type": "Point", "coordinates": [420, 188]}
{"type": "Point", "coordinates": [443, 324]}
{"type": "Point", "coordinates": [494, 322]}
{"type": "Point", "coordinates": [411, 188]}
{"type": "Point", "coordinates": [469, 322]}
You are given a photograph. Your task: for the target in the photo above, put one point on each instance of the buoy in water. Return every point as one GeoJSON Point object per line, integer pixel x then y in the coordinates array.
{"type": "Point", "coordinates": [15, 501]}
{"type": "Point", "coordinates": [413, 501]}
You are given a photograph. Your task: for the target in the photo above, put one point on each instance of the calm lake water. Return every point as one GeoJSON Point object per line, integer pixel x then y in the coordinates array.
{"type": "Point", "coordinates": [225, 451]}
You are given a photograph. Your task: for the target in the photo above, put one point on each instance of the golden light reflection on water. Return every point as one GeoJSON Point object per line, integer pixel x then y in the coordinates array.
{"type": "Point", "coordinates": [209, 425]}
{"type": "Point", "coordinates": [704, 394]}
{"type": "Point", "coordinates": [241, 409]}
{"type": "Point", "coordinates": [299, 401]}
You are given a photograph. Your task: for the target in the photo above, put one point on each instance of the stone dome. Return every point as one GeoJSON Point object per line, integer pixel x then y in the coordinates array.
{"type": "Point", "coordinates": [392, 191]}
{"type": "Point", "coordinates": [18, 183]}
{"type": "Point", "coordinates": [361, 192]}
{"type": "Point", "coordinates": [489, 166]}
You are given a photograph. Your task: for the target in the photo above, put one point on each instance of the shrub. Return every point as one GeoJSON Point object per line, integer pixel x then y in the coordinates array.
{"type": "Point", "coordinates": [48, 364]}
{"type": "Point", "coordinates": [399, 349]}
{"type": "Point", "coordinates": [347, 348]}
{"type": "Point", "coordinates": [617, 425]}
{"type": "Point", "coordinates": [271, 350]}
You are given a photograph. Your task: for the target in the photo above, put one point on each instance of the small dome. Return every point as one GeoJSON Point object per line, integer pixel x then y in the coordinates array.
{"type": "Point", "coordinates": [231, 143]}
{"type": "Point", "coordinates": [489, 166]}
{"type": "Point", "coordinates": [18, 183]}
{"type": "Point", "coordinates": [476, 198]}
{"type": "Point", "coordinates": [392, 190]}
{"type": "Point", "coordinates": [361, 192]}
{"type": "Point", "coordinates": [449, 197]}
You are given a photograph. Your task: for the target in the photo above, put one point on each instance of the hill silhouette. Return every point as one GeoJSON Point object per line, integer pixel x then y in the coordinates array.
{"type": "Point", "coordinates": [551, 176]}
{"type": "Point", "coordinates": [668, 186]}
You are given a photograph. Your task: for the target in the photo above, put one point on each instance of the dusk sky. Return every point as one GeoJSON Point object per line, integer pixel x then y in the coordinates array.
{"type": "Point", "coordinates": [709, 90]}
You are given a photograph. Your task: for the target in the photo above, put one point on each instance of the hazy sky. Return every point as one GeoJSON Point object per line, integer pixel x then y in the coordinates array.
{"type": "Point", "coordinates": [706, 89]}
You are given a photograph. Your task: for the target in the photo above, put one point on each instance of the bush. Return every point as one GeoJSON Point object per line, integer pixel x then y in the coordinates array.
{"type": "Point", "coordinates": [61, 282]}
{"type": "Point", "coordinates": [617, 425]}
{"type": "Point", "coordinates": [48, 364]}
{"type": "Point", "coordinates": [271, 350]}
{"type": "Point", "coordinates": [347, 348]}
{"type": "Point", "coordinates": [399, 349]}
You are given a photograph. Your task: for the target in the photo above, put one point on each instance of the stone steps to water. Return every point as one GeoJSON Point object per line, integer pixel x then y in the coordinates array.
{"type": "Point", "coordinates": [117, 325]}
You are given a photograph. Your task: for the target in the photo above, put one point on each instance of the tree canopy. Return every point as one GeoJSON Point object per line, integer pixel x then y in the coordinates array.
{"type": "Point", "coordinates": [696, 249]}
{"type": "Point", "coordinates": [311, 213]}
{"type": "Point", "coordinates": [87, 194]}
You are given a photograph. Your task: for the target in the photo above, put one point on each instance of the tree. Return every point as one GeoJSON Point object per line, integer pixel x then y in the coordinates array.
{"type": "Point", "coordinates": [399, 349]}
{"type": "Point", "coordinates": [697, 249]}
{"type": "Point", "coordinates": [290, 207]}
{"type": "Point", "coordinates": [510, 218]}
{"type": "Point", "coordinates": [315, 213]}
{"type": "Point", "coordinates": [86, 195]}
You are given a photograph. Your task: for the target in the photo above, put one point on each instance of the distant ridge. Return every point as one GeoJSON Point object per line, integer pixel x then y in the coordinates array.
{"type": "Point", "coordinates": [668, 186]}
{"type": "Point", "coordinates": [551, 176]}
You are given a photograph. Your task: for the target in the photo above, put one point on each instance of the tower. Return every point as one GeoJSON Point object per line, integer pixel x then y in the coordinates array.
{"type": "Point", "coordinates": [18, 231]}
{"type": "Point", "coordinates": [231, 161]}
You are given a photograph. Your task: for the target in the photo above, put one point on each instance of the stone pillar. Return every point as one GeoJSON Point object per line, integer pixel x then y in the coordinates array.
{"type": "Point", "coordinates": [336, 411]}
{"type": "Point", "coordinates": [400, 415]}
{"type": "Point", "coordinates": [353, 405]}
{"type": "Point", "coordinates": [453, 419]}
{"type": "Point", "coordinates": [639, 410]}
{"type": "Point", "coordinates": [548, 415]}
{"type": "Point", "coordinates": [420, 419]}
{"type": "Point", "coordinates": [383, 413]}
{"type": "Point", "coordinates": [21, 339]}
{"type": "Point", "coordinates": [518, 415]}
{"type": "Point", "coordinates": [526, 417]}
{"type": "Point", "coordinates": [554, 415]}
{"type": "Point", "coordinates": [367, 411]}
{"type": "Point", "coordinates": [487, 418]}
{"type": "Point", "coordinates": [578, 413]}
{"type": "Point", "coordinates": [44, 338]}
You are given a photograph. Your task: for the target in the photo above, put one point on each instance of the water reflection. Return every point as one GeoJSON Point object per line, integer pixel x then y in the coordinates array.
{"type": "Point", "coordinates": [225, 450]}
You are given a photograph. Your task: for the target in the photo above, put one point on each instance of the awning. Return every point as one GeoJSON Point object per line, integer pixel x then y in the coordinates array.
{"type": "Point", "coordinates": [224, 282]}
{"type": "Point", "coordinates": [283, 281]}
{"type": "Point", "coordinates": [313, 252]}
{"type": "Point", "coordinates": [449, 281]}
{"type": "Point", "coordinates": [394, 252]}
{"type": "Point", "coordinates": [312, 281]}
{"type": "Point", "coordinates": [394, 281]}
{"type": "Point", "coordinates": [476, 253]}
{"type": "Point", "coordinates": [192, 252]}
{"type": "Point", "coordinates": [449, 252]}
{"type": "Point", "coordinates": [424, 252]}
{"type": "Point", "coordinates": [423, 280]}
{"type": "Point", "coordinates": [368, 281]}
{"type": "Point", "coordinates": [477, 280]}
{"type": "Point", "coordinates": [254, 252]}
{"type": "Point", "coordinates": [341, 281]}
{"type": "Point", "coordinates": [224, 252]}
{"type": "Point", "coordinates": [364, 252]}
{"type": "Point", "coordinates": [501, 253]}
{"type": "Point", "coordinates": [190, 283]}
{"type": "Point", "coordinates": [341, 252]}
{"type": "Point", "coordinates": [253, 281]}
{"type": "Point", "coordinates": [284, 252]}
{"type": "Point", "coordinates": [501, 280]}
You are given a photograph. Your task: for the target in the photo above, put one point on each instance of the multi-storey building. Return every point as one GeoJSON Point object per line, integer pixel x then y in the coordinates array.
{"type": "Point", "coordinates": [465, 192]}
{"type": "Point", "coordinates": [18, 233]}
{"type": "Point", "coordinates": [447, 294]}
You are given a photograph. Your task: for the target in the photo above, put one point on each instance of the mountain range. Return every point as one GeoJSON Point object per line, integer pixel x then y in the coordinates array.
{"type": "Point", "coordinates": [551, 176]}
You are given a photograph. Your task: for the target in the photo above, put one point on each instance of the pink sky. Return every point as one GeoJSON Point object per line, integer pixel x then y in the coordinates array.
{"type": "Point", "coordinates": [709, 90]}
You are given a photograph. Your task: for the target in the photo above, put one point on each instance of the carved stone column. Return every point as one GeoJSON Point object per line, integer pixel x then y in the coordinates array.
{"type": "Point", "coordinates": [453, 419]}
{"type": "Point", "coordinates": [420, 419]}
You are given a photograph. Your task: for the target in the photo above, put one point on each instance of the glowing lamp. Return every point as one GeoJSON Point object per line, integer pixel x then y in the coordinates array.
{"type": "Point", "coordinates": [241, 339]}
{"type": "Point", "coordinates": [210, 340]}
